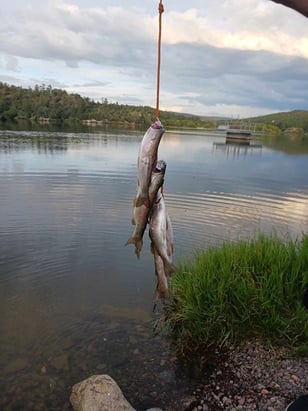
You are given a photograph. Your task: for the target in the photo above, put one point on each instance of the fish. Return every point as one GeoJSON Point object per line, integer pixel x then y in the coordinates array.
{"type": "Point", "coordinates": [147, 159]}
{"type": "Point", "coordinates": [158, 232]}
{"type": "Point", "coordinates": [141, 213]}
{"type": "Point", "coordinates": [170, 237]}
{"type": "Point", "coordinates": [162, 290]}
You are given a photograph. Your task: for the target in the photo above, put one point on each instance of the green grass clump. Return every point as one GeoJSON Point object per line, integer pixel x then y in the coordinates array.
{"type": "Point", "coordinates": [240, 291]}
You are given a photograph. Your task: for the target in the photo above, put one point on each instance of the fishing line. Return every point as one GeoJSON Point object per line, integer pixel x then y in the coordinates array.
{"type": "Point", "coordinates": [160, 10]}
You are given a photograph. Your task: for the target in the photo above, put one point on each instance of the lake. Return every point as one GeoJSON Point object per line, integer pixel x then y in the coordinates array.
{"type": "Point", "coordinates": [74, 301]}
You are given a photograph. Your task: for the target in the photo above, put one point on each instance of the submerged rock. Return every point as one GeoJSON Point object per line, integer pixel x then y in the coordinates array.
{"type": "Point", "coordinates": [16, 365]}
{"type": "Point", "coordinates": [60, 362]}
{"type": "Point", "coordinates": [99, 393]}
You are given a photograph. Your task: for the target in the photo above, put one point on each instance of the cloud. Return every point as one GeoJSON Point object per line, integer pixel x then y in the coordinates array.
{"type": "Point", "coordinates": [69, 33]}
{"type": "Point", "coordinates": [115, 35]}
{"type": "Point", "coordinates": [234, 75]}
{"type": "Point", "coordinates": [240, 55]}
{"type": "Point", "coordinates": [11, 63]}
{"type": "Point", "coordinates": [242, 25]}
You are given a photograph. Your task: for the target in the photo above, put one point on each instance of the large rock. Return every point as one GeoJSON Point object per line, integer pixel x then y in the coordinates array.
{"type": "Point", "coordinates": [99, 393]}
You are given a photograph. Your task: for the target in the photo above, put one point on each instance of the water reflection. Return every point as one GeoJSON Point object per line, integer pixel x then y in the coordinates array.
{"type": "Point", "coordinates": [49, 142]}
{"type": "Point", "coordinates": [287, 144]}
{"type": "Point", "coordinates": [236, 150]}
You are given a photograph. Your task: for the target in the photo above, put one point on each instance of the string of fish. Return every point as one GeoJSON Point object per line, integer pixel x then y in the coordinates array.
{"type": "Point", "coordinates": [149, 205]}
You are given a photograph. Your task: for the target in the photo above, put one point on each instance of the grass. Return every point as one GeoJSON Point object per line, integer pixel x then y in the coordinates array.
{"type": "Point", "coordinates": [250, 289]}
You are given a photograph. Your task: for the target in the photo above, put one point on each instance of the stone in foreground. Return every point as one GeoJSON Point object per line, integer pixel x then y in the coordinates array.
{"type": "Point", "coordinates": [99, 393]}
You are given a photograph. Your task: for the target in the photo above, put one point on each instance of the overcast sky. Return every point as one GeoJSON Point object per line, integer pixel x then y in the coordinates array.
{"type": "Point", "coordinates": [227, 57]}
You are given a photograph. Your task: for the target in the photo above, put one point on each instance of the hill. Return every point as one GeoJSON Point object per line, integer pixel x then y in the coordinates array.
{"type": "Point", "coordinates": [45, 104]}
{"type": "Point", "coordinates": [285, 120]}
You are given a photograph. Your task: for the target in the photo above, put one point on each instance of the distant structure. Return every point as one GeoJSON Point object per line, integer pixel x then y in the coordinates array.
{"type": "Point", "coordinates": [238, 132]}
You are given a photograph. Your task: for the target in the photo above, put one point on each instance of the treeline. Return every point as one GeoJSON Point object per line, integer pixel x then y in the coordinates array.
{"type": "Point", "coordinates": [285, 120]}
{"type": "Point", "coordinates": [47, 104]}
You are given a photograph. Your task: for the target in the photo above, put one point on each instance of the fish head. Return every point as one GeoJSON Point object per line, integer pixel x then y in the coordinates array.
{"type": "Point", "coordinates": [157, 177]}
{"type": "Point", "coordinates": [158, 126]}
{"type": "Point", "coordinates": [160, 167]}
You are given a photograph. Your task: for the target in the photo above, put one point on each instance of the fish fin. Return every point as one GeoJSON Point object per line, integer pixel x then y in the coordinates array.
{"type": "Point", "coordinates": [131, 240]}
{"type": "Point", "coordinates": [170, 268]}
{"type": "Point", "coordinates": [137, 250]}
{"type": "Point", "coordinates": [138, 242]}
{"type": "Point", "coordinates": [142, 200]}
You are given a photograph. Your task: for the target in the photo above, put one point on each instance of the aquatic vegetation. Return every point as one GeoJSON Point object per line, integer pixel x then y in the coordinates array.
{"type": "Point", "coordinates": [242, 290]}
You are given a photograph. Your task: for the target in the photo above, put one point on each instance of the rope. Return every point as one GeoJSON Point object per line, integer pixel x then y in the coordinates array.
{"type": "Point", "coordinates": [160, 10]}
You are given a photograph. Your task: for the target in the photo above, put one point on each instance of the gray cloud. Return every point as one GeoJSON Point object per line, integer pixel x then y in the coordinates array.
{"type": "Point", "coordinates": [111, 52]}
{"type": "Point", "coordinates": [91, 35]}
{"type": "Point", "coordinates": [228, 76]}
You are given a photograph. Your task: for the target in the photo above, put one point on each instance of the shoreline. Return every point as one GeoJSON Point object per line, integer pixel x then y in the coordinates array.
{"type": "Point", "coordinates": [250, 377]}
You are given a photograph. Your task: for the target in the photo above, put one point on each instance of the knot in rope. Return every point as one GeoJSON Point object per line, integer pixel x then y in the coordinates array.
{"type": "Point", "coordinates": [161, 8]}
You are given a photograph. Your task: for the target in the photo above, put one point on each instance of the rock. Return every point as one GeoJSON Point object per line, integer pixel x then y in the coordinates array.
{"type": "Point", "coordinates": [99, 393]}
{"type": "Point", "coordinates": [132, 340]}
{"type": "Point", "coordinates": [294, 378]}
{"type": "Point", "coordinates": [16, 365]}
{"type": "Point", "coordinates": [101, 366]}
{"type": "Point", "coordinates": [167, 376]}
{"type": "Point", "coordinates": [60, 362]}
{"type": "Point", "coordinates": [43, 370]}
{"type": "Point", "coordinates": [67, 343]}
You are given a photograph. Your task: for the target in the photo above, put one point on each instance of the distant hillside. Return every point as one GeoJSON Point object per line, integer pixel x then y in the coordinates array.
{"type": "Point", "coordinates": [285, 120]}
{"type": "Point", "coordinates": [45, 104]}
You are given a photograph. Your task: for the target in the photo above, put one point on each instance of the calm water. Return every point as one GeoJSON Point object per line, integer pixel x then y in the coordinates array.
{"type": "Point", "coordinates": [74, 301]}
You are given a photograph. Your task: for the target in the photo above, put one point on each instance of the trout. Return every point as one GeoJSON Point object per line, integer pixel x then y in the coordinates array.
{"type": "Point", "coordinates": [170, 237]}
{"type": "Point", "coordinates": [162, 281]}
{"type": "Point", "coordinates": [141, 213]}
{"type": "Point", "coordinates": [146, 162]}
{"type": "Point", "coordinates": [158, 232]}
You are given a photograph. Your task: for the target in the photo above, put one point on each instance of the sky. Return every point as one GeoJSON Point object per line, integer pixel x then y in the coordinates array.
{"type": "Point", "coordinates": [236, 58]}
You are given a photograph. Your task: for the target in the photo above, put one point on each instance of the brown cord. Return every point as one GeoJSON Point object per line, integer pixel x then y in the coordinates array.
{"type": "Point", "coordinates": [160, 10]}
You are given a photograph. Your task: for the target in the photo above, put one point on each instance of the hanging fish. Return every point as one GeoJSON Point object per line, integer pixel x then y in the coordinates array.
{"type": "Point", "coordinates": [141, 213]}
{"type": "Point", "coordinates": [170, 237]}
{"type": "Point", "coordinates": [146, 161]}
{"type": "Point", "coordinates": [162, 280]}
{"type": "Point", "coordinates": [158, 232]}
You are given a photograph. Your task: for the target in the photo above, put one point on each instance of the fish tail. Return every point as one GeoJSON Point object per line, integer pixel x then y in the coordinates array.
{"type": "Point", "coordinates": [138, 242]}
{"type": "Point", "coordinates": [161, 297]}
{"type": "Point", "coordinates": [138, 250]}
{"type": "Point", "coordinates": [161, 293]}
